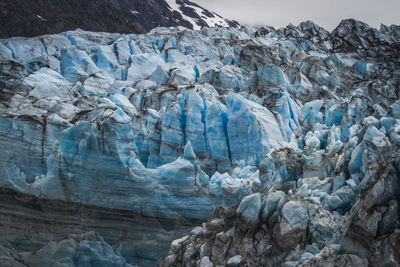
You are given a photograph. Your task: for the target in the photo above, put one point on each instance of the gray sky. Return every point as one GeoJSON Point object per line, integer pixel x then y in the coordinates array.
{"type": "Point", "coordinates": [326, 13]}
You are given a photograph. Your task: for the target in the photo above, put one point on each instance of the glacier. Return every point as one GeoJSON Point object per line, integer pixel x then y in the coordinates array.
{"type": "Point", "coordinates": [284, 142]}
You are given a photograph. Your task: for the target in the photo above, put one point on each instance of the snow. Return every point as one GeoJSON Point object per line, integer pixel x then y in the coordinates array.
{"type": "Point", "coordinates": [213, 21]}
{"type": "Point", "coordinates": [175, 7]}
{"type": "Point", "coordinates": [135, 12]}
{"type": "Point", "coordinates": [41, 18]}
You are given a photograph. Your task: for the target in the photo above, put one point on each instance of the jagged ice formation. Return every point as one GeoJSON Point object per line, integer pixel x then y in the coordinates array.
{"type": "Point", "coordinates": [114, 145]}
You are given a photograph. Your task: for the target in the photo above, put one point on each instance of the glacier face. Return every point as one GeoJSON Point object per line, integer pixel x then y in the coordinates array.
{"type": "Point", "coordinates": [163, 128]}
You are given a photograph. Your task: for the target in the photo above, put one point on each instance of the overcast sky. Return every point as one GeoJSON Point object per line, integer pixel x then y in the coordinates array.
{"type": "Point", "coordinates": [326, 13]}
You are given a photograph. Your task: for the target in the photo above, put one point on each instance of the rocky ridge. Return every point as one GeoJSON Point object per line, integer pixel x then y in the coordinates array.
{"type": "Point", "coordinates": [24, 18]}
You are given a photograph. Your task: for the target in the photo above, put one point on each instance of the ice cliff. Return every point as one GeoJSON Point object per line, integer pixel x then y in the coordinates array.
{"type": "Point", "coordinates": [115, 145]}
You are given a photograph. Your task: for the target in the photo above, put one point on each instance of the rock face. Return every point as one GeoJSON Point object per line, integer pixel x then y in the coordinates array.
{"type": "Point", "coordinates": [115, 145]}
{"type": "Point", "coordinates": [36, 228]}
{"type": "Point", "coordinates": [21, 18]}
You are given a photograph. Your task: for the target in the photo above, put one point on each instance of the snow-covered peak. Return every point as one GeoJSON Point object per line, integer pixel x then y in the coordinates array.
{"type": "Point", "coordinates": [198, 16]}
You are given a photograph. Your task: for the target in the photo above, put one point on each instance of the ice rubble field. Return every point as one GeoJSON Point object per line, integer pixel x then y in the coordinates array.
{"type": "Point", "coordinates": [298, 125]}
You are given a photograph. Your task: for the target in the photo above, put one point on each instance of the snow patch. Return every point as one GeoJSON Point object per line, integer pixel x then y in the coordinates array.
{"type": "Point", "coordinates": [175, 7]}
{"type": "Point", "coordinates": [134, 12]}
{"type": "Point", "coordinates": [41, 18]}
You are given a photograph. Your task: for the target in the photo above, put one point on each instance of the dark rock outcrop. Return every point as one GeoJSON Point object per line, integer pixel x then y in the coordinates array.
{"type": "Point", "coordinates": [32, 18]}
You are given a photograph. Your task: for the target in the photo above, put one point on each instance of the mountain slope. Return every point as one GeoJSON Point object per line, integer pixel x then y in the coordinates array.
{"type": "Point", "coordinates": [31, 18]}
